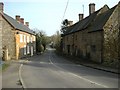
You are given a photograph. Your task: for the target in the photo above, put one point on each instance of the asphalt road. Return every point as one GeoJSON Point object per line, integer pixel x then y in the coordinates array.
{"type": "Point", "coordinates": [51, 71]}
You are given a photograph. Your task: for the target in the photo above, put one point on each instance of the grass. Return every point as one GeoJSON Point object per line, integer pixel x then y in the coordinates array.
{"type": "Point", "coordinates": [5, 66]}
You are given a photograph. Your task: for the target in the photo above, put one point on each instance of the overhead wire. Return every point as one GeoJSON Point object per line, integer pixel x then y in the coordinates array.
{"type": "Point", "coordinates": [65, 10]}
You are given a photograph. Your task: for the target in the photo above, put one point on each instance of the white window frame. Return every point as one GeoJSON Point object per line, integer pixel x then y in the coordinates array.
{"type": "Point", "coordinates": [28, 39]}
{"type": "Point", "coordinates": [28, 49]}
{"type": "Point", "coordinates": [24, 49]}
{"type": "Point", "coordinates": [21, 37]}
{"type": "Point", "coordinates": [24, 38]}
{"type": "Point", "coordinates": [31, 39]}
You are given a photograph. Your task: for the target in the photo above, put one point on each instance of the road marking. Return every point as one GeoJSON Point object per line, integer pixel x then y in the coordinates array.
{"type": "Point", "coordinates": [20, 77]}
{"type": "Point", "coordinates": [89, 80]}
{"type": "Point", "coordinates": [44, 63]}
{"type": "Point", "coordinates": [77, 75]}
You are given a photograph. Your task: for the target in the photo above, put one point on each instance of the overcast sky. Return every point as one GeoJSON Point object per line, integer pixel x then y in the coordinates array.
{"type": "Point", "coordinates": [47, 15]}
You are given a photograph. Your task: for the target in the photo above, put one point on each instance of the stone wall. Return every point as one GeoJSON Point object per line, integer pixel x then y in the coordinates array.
{"type": "Point", "coordinates": [111, 39]}
{"type": "Point", "coordinates": [0, 36]}
{"type": "Point", "coordinates": [8, 39]}
{"type": "Point", "coordinates": [68, 41]}
{"type": "Point", "coordinates": [85, 45]}
{"type": "Point", "coordinates": [95, 44]}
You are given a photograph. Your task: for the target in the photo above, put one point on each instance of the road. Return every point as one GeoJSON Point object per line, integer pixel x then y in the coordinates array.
{"type": "Point", "coordinates": [51, 71]}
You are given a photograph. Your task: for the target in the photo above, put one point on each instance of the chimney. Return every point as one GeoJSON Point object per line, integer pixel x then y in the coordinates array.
{"type": "Point", "coordinates": [17, 17]}
{"type": "Point", "coordinates": [27, 24]}
{"type": "Point", "coordinates": [91, 8]}
{"type": "Point", "coordinates": [70, 23]}
{"type": "Point", "coordinates": [1, 7]}
{"type": "Point", "coordinates": [22, 20]}
{"type": "Point", "coordinates": [81, 16]}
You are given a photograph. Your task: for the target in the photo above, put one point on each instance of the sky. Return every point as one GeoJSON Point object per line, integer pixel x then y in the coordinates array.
{"type": "Point", "coordinates": [47, 15]}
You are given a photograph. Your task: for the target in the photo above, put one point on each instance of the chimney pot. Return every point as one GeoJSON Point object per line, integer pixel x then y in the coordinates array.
{"type": "Point", "coordinates": [17, 17]}
{"type": "Point", "coordinates": [81, 16]}
{"type": "Point", "coordinates": [27, 24]}
{"type": "Point", "coordinates": [1, 7]}
{"type": "Point", "coordinates": [91, 8]}
{"type": "Point", "coordinates": [22, 20]}
{"type": "Point", "coordinates": [70, 23]}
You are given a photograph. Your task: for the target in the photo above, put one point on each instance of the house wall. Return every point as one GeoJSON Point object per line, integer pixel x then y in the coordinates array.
{"type": "Point", "coordinates": [0, 36]}
{"type": "Point", "coordinates": [25, 42]}
{"type": "Point", "coordinates": [111, 42]}
{"type": "Point", "coordinates": [95, 46]}
{"type": "Point", "coordinates": [85, 45]}
{"type": "Point", "coordinates": [68, 42]}
{"type": "Point", "coordinates": [8, 39]}
{"type": "Point", "coordinates": [80, 44]}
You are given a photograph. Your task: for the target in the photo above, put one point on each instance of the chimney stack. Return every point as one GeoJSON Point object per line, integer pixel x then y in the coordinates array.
{"type": "Point", "coordinates": [1, 7]}
{"type": "Point", "coordinates": [91, 8]}
{"type": "Point", "coordinates": [22, 20]}
{"type": "Point", "coordinates": [27, 24]}
{"type": "Point", "coordinates": [81, 16]}
{"type": "Point", "coordinates": [70, 23]}
{"type": "Point", "coordinates": [17, 17]}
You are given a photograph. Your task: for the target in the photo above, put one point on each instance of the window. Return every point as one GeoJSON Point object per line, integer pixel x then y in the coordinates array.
{"type": "Point", "coordinates": [72, 36]}
{"type": "Point", "coordinates": [31, 39]}
{"type": "Point", "coordinates": [21, 38]}
{"type": "Point", "coordinates": [67, 38]}
{"type": "Point", "coordinates": [93, 48]}
{"type": "Point", "coordinates": [76, 37]}
{"type": "Point", "coordinates": [24, 38]}
{"type": "Point", "coordinates": [28, 49]}
{"type": "Point", "coordinates": [24, 49]}
{"type": "Point", "coordinates": [28, 39]}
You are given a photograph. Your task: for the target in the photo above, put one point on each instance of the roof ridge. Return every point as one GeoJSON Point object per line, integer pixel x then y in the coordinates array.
{"type": "Point", "coordinates": [17, 25]}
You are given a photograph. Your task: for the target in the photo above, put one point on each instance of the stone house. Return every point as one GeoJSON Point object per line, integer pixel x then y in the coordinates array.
{"type": "Point", "coordinates": [88, 38]}
{"type": "Point", "coordinates": [17, 39]}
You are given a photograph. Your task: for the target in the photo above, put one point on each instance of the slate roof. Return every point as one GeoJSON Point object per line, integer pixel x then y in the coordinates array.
{"type": "Point", "coordinates": [17, 25]}
{"type": "Point", "coordinates": [94, 22]}
{"type": "Point", "coordinates": [81, 25]}
{"type": "Point", "coordinates": [101, 20]}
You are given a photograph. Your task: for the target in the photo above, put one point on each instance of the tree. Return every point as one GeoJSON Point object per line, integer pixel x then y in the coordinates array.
{"type": "Point", "coordinates": [41, 40]}
{"type": "Point", "coordinates": [64, 25]}
{"type": "Point", "coordinates": [56, 39]}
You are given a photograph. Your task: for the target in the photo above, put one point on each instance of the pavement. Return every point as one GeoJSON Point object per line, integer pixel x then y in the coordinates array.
{"type": "Point", "coordinates": [10, 76]}
{"type": "Point", "coordinates": [92, 64]}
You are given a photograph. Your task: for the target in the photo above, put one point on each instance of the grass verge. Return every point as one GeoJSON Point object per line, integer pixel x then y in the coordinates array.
{"type": "Point", "coordinates": [5, 66]}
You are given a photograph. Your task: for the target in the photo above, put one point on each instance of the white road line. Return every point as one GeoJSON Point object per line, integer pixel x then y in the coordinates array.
{"type": "Point", "coordinates": [20, 77]}
{"type": "Point", "coordinates": [78, 75]}
{"type": "Point", "coordinates": [89, 80]}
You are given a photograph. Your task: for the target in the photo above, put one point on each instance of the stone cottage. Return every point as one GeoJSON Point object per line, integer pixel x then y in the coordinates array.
{"type": "Point", "coordinates": [17, 39]}
{"type": "Point", "coordinates": [95, 36]}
